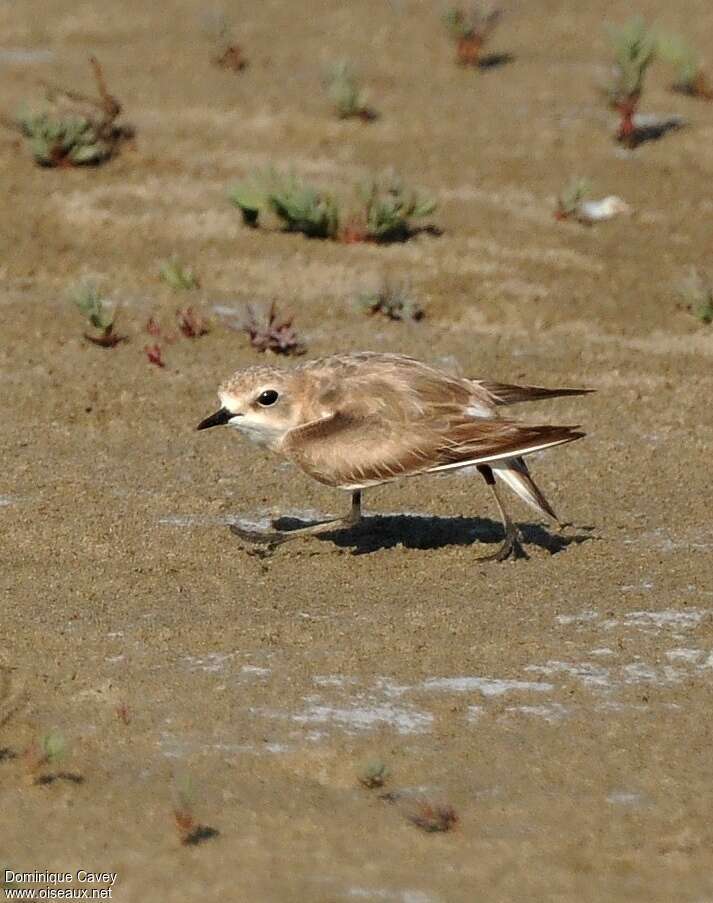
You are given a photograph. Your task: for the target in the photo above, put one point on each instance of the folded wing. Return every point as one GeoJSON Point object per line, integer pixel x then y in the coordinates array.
{"type": "Point", "coordinates": [352, 451]}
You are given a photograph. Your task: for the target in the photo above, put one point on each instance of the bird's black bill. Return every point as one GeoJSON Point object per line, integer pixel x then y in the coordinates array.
{"type": "Point", "coordinates": [220, 418]}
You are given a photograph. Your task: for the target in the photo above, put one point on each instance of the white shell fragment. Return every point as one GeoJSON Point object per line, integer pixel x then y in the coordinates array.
{"type": "Point", "coordinates": [606, 208]}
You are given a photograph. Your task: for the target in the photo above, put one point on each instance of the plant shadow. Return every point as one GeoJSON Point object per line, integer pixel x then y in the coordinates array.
{"type": "Point", "coordinates": [51, 777]}
{"type": "Point", "coordinates": [653, 131]}
{"type": "Point", "coordinates": [495, 60]}
{"type": "Point", "coordinates": [416, 531]}
{"type": "Point", "coordinates": [400, 236]}
{"type": "Point", "coordinates": [199, 834]}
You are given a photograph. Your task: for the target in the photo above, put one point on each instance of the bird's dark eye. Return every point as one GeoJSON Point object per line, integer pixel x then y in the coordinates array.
{"type": "Point", "coordinates": [268, 397]}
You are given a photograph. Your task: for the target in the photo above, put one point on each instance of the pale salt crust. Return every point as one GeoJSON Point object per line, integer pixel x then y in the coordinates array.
{"type": "Point", "coordinates": [684, 655]}
{"type": "Point", "coordinates": [681, 619]}
{"type": "Point", "coordinates": [25, 55]}
{"type": "Point", "coordinates": [624, 798]}
{"type": "Point", "coordinates": [332, 680]}
{"type": "Point", "coordinates": [256, 671]}
{"type": "Point", "coordinates": [173, 746]}
{"type": "Point", "coordinates": [551, 712]}
{"type": "Point", "coordinates": [669, 618]}
{"type": "Point", "coordinates": [583, 617]}
{"type": "Point", "coordinates": [588, 674]}
{"type": "Point", "coordinates": [211, 662]}
{"type": "Point", "coordinates": [356, 716]}
{"type": "Point", "coordinates": [487, 686]}
{"type": "Point", "coordinates": [399, 896]}
{"type": "Point", "coordinates": [661, 540]}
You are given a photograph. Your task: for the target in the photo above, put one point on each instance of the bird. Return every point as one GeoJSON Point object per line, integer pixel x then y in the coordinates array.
{"type": "Point", "coordinates": [356, 420]}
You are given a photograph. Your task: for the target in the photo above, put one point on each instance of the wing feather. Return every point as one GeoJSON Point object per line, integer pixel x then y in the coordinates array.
{"type": "Point", "coordinates": [506, 393]}
{"type": "Point", "coordinates": [352, 450]}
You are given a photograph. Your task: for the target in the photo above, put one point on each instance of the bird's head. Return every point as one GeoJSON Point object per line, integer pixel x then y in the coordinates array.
{"type": "Point", "coordinates": [261, 402]}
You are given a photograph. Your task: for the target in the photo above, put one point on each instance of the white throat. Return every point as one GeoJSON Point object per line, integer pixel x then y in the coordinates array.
{"type": "Point", "coordinates": [258, 431]}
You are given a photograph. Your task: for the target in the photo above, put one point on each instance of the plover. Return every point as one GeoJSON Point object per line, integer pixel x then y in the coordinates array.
{"type": "Point", "coordinates": [353, 421]}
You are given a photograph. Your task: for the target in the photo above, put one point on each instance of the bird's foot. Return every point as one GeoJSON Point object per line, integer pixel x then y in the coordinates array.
{"type": "Point", "coordinates": [511, 547]}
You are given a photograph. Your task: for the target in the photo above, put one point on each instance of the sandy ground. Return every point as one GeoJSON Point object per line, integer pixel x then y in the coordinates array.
{"type": "Point", "coordinates": [561, 704]}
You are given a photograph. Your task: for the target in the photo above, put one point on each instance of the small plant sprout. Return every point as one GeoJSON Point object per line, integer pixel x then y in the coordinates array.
{"type": "Point", "coordinates": [389, 209]}
{"type": "Point", "coordinates": [154, 355]}
{"type": "Point", "coordinates": [177, 276]}
{"type": "Point", "coordinates": [78, 129]}
{"type": "Point", "coordinates": [390, 300]}
{"type": "Point", "coordinates": [277, 335]}
{"type": "Point", "coordinates": [690, 77]}
{"type": "Point", "coordinates": [191, 324]}
{"type": "Point", "coordinates": [228, 53]}
{"type": "Point", "coordinates": [573, 204]}
{"type": "Point", "coordinates": [346, 94]}
{"type": "Point", "coordinates": [183, 808]}
{"type": "Point", "coordinates": [432, 817]}
{"type": "Point", "coordinates": [471, 30]}
{"type": "Point", "coordinates": [570, 200]}
{"type": "Point", "coordinates": [100, 314]}
{"type": "Point", "coordinates": [190, 831]}
{"type": "Point", "coordinates": [695, 293]}
{"type": "Point", "coordinates": [373, 775]}
{"type": "Point", "coordinates": [44, 754]}
{"type": "Point", "coordinates": [153, 327]}
{"type": "Point", "coordinates": [300, 207]}
{"type": "Point", "coordinates": [634, 51]}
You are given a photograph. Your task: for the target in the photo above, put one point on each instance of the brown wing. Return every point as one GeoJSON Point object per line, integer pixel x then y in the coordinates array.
{"type": "Point", "coordinates": [352, 451]}
{"type": "Point", "coordinates": [505, 393]}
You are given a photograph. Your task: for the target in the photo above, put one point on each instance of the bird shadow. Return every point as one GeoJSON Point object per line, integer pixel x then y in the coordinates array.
{"type": "Point", "coordinates": [417, 531]}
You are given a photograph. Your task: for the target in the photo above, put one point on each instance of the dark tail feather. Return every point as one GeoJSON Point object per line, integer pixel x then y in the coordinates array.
{"type": "Point", "coordinates": [517, 476]}
{"type": "Point", "coordinates": [504, 393]}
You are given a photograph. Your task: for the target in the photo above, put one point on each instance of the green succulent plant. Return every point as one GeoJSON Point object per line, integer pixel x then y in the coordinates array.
{"type": "Point", "coordinates": [635, 47]}
{"type": "Point", "coordinates": [696, 293]}
{"type": "Point", "coordinates": [386, 207]}
{"type": "Point", "coordinates": [178, 276]}
{"type": "Point", "coordinates": [300, 207]}
{"type": "Point", "coordinates": [75, 140]}
{"type": "Point", "coordinates": [53, 746]}
{"type": "Point", "coordinates": [391, 301]}
{"type": "Point", "coordinates": [373, 774]}
{"type": "Point", "coordinates": [674, 50]}
{"type": "Point", "coordinates": [251, 199]}
{"type": "Point", "coordinates": [76, 129]}
{"type": "Point", "coordinates": [303, 208]}
{"type": "Point", "coordinates": [690, 76]}
{"type": "Point", "coordinates": [100, 315]}
{"type": "Point", "coordinates": [389, 209]}
{"type": "Point", "coordinates": [43, 754]}
{"type": "Point", "coordinates": [576, 190]}
{"type": "Point", "coordinates": [96, 309]}
{"type": "Point", "coordinates": [478, 22]}
{"type": "Point", "coordinates": [346, 94]}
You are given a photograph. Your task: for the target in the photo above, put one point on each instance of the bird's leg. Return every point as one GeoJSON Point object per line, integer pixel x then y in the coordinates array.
{"type": "Point", "coordinates": [512, 546]}
{"type": "Point", "coordinates": [276, 536]}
